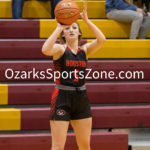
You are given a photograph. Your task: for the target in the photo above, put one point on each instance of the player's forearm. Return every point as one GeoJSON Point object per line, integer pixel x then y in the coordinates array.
{"type": "Point", "coordinates": [49, 43]}
{"type": "Point", "coordinates": [96, 31]}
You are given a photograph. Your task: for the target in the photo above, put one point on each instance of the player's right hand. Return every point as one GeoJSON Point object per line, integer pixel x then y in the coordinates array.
{"type": "Point", "coordinates": [61, 26]}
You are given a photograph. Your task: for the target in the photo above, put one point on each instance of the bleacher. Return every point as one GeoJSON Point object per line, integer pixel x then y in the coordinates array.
{"type": "Point", "coordinates": [120, 108]}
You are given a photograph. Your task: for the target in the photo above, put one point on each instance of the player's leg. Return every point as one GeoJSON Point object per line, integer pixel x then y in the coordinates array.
{"type": "Point", "coordinates": [82, 129]}
{"type": "Point", "coordinates": [59, 119]}
{"type": "Point", "coordinates": [59, 132]}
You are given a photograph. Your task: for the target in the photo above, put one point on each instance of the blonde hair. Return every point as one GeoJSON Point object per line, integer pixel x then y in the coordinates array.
{"type": "Point", "coordinates": [62, 38]}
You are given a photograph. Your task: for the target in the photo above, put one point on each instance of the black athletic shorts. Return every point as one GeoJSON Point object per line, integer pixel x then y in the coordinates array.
{"type": "Point", "coordinates": [69, 105]}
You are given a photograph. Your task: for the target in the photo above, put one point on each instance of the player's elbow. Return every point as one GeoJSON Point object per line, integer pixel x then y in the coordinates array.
{"type": "Point", "coordinates": [45, 51]}
{"type": "Point", "coordinates": [101, 41]}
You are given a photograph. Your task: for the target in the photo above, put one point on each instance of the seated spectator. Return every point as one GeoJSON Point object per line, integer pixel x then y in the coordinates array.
{"type": "Point", "coordinates": [17, 8]}
{"type": "Point", "coordinates": [120, 10]}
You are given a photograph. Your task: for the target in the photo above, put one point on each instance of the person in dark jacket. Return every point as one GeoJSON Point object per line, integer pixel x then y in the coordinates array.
{"type": "Point", "coordinates": [120, 10]}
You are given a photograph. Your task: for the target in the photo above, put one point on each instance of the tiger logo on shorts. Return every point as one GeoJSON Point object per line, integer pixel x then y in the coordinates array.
{"type": "Point", "coordinates": [60, 112]}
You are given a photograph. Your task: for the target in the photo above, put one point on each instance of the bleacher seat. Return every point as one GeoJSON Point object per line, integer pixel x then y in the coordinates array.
{"type": "Point", "coordinates": [43, 28]}
{"type": "Point", "coordinates": [110, 93]}
{"type": "Point", "coordinates": [40, 141]}
{"type": "Point", "coordinates": [31, 49]}
{"type": "Point", "coordinates": [103, 117]}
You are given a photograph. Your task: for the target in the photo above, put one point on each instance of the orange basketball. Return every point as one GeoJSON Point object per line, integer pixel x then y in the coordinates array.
{"type": "Point", "coordinates": [67, 12]}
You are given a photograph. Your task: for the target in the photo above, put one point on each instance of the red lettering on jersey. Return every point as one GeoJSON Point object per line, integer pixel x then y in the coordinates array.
{"type": "Point", "coordinates": [76, 76]}
{"type": "Point", "coordinates": [75, 63]}
{"type": "Point", "coordinates": [71, 63]}
{"type": "Point", "coordinates": [83, 63]}
{"type": "Point", "coordinates": [67, 63]}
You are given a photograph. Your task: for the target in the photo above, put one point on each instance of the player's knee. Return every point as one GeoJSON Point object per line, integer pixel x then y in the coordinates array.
{"type": "Point", "coordinates": [84, 146]}
{"type": "Point", "coordinates": [58, 147]}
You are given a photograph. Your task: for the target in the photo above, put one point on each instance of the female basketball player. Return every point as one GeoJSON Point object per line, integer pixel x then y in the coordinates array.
{"type": "Point", "coordinates": [69, 101]}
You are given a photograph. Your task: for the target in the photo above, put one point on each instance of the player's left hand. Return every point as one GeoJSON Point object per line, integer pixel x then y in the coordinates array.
{"type": "Point", "coordinates": [84, 15]}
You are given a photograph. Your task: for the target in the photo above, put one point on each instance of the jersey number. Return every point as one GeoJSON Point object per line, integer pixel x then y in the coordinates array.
{"type": "Point", "coordinates": [76, 75]}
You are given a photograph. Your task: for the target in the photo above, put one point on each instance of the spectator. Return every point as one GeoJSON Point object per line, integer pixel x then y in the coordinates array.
{"type": "Point", "coordinates": [17, 7]}
{"type": "Point", "coordinates": [120, 10]}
